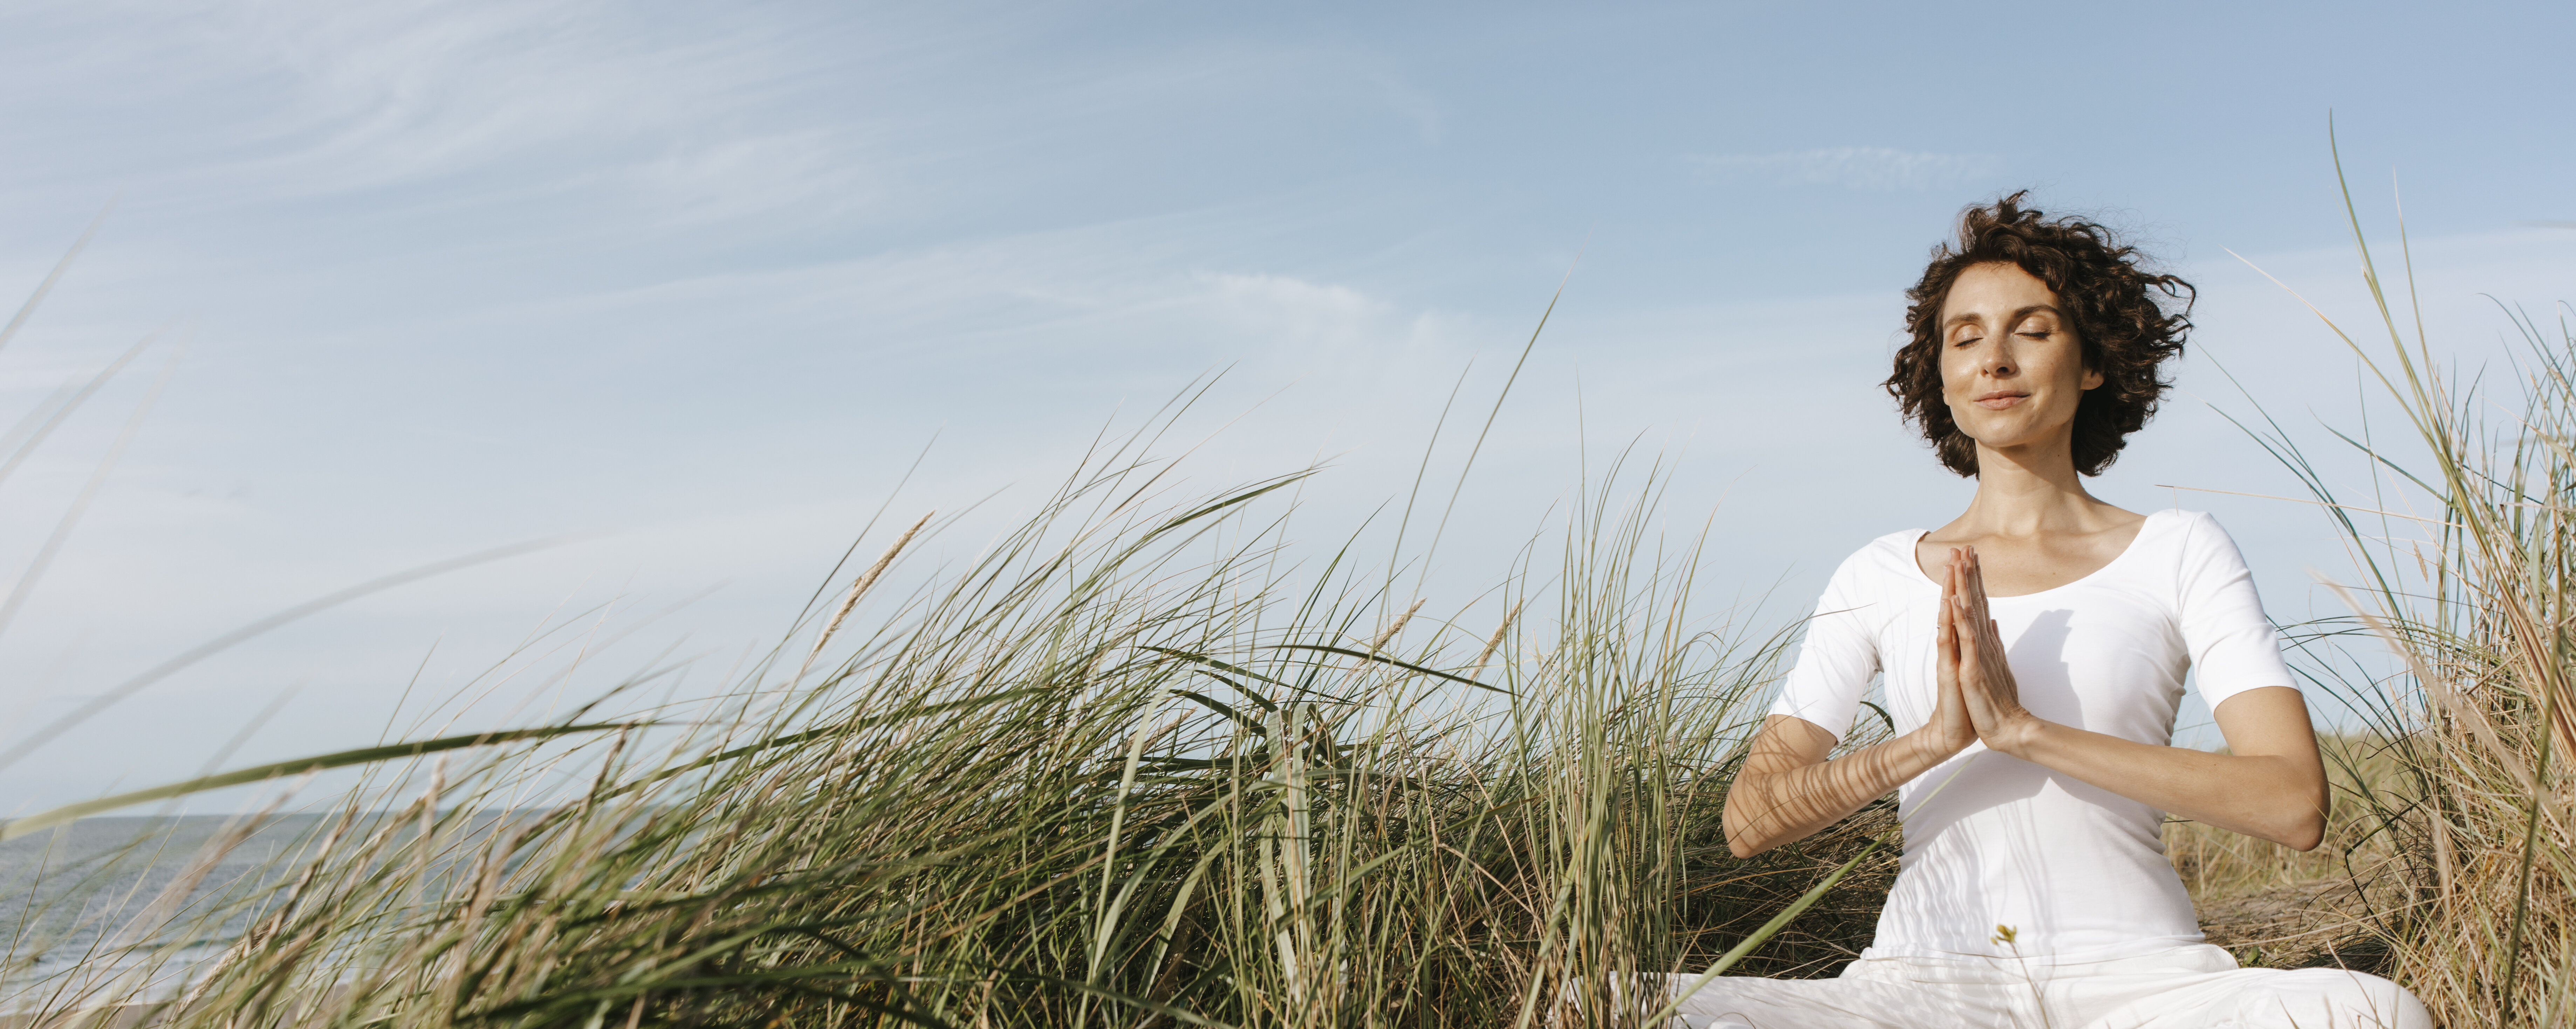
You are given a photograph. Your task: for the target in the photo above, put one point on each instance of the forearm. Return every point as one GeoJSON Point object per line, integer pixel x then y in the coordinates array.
{"type": "Point", "coordinates": [1776, 800]}
{"type": "Point", "coordinates": [2271, 797]}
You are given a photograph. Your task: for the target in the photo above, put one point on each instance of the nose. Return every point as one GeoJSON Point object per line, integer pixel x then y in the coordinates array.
{"type": "Point", "coordinates": [1998, 361]}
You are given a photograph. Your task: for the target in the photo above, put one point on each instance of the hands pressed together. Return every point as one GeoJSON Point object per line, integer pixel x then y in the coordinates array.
{"type": "Point", "coordinates": [1978, 700]}
{"type": "Point", "coordinates": [2271, 786]}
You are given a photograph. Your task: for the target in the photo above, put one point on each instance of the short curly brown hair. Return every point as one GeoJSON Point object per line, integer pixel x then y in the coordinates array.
{"type": "Point", "coordinates": [2126, 329]}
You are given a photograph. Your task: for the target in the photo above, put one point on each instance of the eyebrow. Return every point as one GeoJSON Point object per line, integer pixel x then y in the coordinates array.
{"type": "Point", "coordinates": [2016, 315]}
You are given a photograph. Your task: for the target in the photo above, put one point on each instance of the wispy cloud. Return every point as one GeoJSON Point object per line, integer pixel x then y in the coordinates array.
{"type": "Point", "coordinates": [1856, 167]}
{"type": "Point", "coordinates": [536, 103]}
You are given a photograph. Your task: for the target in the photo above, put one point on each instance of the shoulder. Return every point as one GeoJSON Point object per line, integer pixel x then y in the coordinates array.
{"type": "Point", "coordinates": [2188, 532]}
{"type": "Point", "coordinates": [1883, 563]}
{"type": "Point", "coordinates": [2193, 555]}
{"type": "Point", "coordinates": [1872, 586]}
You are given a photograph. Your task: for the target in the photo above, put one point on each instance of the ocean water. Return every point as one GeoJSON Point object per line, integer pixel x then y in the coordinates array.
{"type": "Point", "coordinates": [124, 906]}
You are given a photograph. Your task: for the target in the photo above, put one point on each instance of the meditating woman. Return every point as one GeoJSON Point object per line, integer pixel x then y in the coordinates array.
{"type": "Point", "coordinates": [2032, 653]}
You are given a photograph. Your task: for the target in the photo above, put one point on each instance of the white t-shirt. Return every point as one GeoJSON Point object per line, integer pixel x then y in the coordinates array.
{"type": "Point", "coordinates": [2078, 871]}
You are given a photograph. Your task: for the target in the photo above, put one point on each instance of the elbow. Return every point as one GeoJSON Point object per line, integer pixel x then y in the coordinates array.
{"type": "Point", "coordinates": [2308, 829]}
{"type": "Point", "coordinates": [2305, 832]}
{"type": "Point", "coordinates": [2300, 823]}
{"type": "Point", "coordinates": [1740, 840]}
{"type": "Point", "coordinates": [2301, 828]}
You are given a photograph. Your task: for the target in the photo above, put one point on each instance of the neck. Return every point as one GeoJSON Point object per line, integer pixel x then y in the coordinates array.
{"type": "Point", "coordinates": [2027, 490]}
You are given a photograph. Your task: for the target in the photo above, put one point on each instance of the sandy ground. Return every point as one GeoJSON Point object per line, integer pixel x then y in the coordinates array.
{"type": "Point", "coordinates": [2316, 924]}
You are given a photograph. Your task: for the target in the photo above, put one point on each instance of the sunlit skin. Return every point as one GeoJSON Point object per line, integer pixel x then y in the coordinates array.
{"type": "Point", "coordinates": [2012, 372]}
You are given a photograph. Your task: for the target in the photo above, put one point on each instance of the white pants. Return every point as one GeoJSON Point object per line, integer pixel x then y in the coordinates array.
{"type": "Point", "coordinates": [2194, 987]}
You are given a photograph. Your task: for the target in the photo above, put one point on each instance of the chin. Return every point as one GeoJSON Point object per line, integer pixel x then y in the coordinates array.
{"type": "Point", "coordinates": [1996, 437]}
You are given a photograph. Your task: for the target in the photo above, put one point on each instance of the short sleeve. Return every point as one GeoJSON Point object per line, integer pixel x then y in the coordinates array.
{"type": "Point", "coordinates": [1838, 657]}
{"type": "Point", "coordinates": [2232, 645]}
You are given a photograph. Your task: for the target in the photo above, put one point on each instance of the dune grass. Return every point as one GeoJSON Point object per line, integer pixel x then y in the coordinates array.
{"type": "Point", "coordinates": [1129, 768]}
{"type": "Point", "coordinates": [2465, 554]}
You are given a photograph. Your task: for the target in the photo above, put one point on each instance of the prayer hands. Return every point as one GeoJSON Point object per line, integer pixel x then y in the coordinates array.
{"type": "Point", "coordinates": [1978, 698]}
{"type": "Point", "coordinates": [1951, 728]}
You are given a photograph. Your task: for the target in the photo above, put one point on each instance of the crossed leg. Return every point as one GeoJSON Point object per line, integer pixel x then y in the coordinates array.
{"type": "Point", "coordinates": [2190, 988]}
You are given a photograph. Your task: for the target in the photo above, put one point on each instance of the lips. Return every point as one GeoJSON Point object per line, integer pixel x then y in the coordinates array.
{"type": "Point", "coordinates": [2001, 399]}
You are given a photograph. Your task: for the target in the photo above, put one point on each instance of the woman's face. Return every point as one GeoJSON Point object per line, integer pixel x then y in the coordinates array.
{"type": "Point", "coordinates": [2011, 367]}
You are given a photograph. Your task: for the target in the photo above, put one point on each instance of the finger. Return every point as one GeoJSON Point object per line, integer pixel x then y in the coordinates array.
{"type": "Point", "coordinates": [1968, 653]}
{"type": "Point", "coordinates": [1971, 685]}
{"type": "Point", "coordinates": [1990, 650]}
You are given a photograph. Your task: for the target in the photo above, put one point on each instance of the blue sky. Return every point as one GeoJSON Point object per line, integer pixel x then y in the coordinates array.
{"type": "Point", "coordinates": [703, 280]}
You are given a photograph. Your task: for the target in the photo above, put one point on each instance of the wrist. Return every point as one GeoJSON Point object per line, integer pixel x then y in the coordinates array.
{"type": "Point", "coordinates": [1935, 746]}
{"type": "Point", "coordinates": [2020, 734]}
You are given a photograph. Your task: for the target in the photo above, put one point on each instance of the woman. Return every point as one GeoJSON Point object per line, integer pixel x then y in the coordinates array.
{"type": "Point", "coordinates": [2033, 653]}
